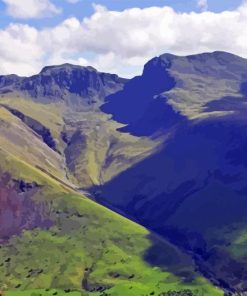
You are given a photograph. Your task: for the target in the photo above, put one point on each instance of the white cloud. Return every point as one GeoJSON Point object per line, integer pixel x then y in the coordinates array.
{"type": "Point", "coordinates": [122, 42]}
{"type": "Point", "coordinates": [20, 50]}
{"type": "Point", "coordinates": [202, 4]}
{"type": "Point", "coordinates": [26, 9]}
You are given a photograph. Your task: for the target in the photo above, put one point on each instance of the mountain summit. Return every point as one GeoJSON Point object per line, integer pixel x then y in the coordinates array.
{"type": "Point", "coordinates": [74, 84]}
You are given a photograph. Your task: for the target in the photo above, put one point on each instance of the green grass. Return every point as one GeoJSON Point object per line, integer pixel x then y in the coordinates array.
{"type": "Point", "coordinates": [19, 140]}
{"type": "Point", "coordinates": [102, 141]}
{"type": "Point", "coordinates": [42, 292]}
{"type": "Point", "coordinates": [88, 247]}
{"type": "Point", "coordinates": [63, 253]}
{"type": "Point", "coordinates": [197, 91]}
{"type": "Point", "coordinates": [48, 115]}
{"type": "Point", "coordinates": [103, 152]}
{"type": "Point", "coordinates": [89, 244]}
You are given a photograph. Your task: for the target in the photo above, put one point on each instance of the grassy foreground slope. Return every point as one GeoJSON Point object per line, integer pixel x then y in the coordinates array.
{"type": "Point", "coordinates": [20, 140]}
{"type": "Point", "coordinates": [77, 247]}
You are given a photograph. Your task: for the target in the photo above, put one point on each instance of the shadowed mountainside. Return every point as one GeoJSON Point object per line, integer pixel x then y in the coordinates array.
{"type": "Point", "coordinates": [192, 190]}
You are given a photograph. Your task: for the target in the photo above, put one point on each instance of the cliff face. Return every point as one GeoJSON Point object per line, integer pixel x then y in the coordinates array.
{"type": "Point", "coordinates": [74, 84]}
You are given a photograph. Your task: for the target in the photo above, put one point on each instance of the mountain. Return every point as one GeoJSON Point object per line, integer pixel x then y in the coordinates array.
{"type": "Point", "coordinates": [53, 239]}
{"type": "Point", "coordinates": [165, 149]}
{"type": "Point", "coordinates": [80, 86]}
{"type": "Point", "coordinates": [192, 189]}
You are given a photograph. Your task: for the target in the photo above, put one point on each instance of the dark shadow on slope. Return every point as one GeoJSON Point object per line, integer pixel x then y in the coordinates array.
{"type": "Point", "coordinates": [188, 187]}
{"type": "Point", "coordinates": [159, 116]}
{"type": "Point", "coordinates": [137, 105]}
{"type": "Point", "coordinates": [181, 168]}
{"type": "Point", "coordinates": [230, 103]}
{"type": "Point", "coordinates": [170, 259]}
{"type": "Point", "coordinates": [183, 263]}
{"type": "Point", "coordinates": [238, 105]}
{"type": "Point", "coordinates": [75, 145]}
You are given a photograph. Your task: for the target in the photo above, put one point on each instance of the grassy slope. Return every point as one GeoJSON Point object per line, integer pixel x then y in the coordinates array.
{"type": "Point", "coordinates": [105, 151]}
{"type": "Point", "coordinates": [87, 242]}
{"type": "Point", "coordinates": [49, 115]}
{"type": "Point", "coordinates": [21, 141]}
{"type": "Point", "coordinates": [196, 91]}
{"type": "Point", "coordinates": [101, 154]}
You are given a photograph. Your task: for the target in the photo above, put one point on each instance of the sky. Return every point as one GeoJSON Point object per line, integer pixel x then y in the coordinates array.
{"type": "Point", "coordinates": [116, 36]}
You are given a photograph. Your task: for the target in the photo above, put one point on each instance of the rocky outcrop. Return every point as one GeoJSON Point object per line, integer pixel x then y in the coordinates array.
{"type": "Point", "coordinates": [78, 86]}
{"type": "Point", "coordinates": [18, 210]}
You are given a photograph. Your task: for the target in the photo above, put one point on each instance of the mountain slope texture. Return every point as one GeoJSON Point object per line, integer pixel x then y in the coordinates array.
{"type": "Point", "coordinates": [124, 187]}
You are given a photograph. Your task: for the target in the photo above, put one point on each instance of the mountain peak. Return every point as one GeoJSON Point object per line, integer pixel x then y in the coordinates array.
{"type": "Point", "coordinates": [204, 55]}
{"type": "Point", "coordinates": [73, 83]}
{"type": "Point", "coordinates": [66, 67]}
{"type": "Point", "coordinates": [218, 64]}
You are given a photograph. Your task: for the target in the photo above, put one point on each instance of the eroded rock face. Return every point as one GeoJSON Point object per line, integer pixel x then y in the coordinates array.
{"type": "Point", "coordinates": [18, 210]}
{"type": "Point", "coordinates": [74, 84]}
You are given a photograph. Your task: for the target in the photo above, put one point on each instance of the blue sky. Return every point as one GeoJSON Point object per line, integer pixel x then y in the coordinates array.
{"type": "Point", "coordinates": [117, 36]}
{"type": "Point", "coordinates": [84, 8]}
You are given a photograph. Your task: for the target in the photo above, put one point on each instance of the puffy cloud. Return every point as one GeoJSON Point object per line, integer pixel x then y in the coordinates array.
{"type": "Point", "coordinates": [202, 4]}
{"type": "Point", "coordinates": [122, 41]}
{"type": "Point", "coordinates": [26, 9]}
{"type": "Point", "coordinates": [20, 50]}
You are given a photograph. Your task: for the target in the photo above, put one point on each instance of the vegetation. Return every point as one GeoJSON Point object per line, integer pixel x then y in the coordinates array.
{"type": "Point", "coordinates": [87, 250]}
{"type": "Point", "coordinates": [184, 161]}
